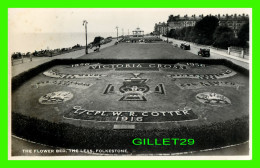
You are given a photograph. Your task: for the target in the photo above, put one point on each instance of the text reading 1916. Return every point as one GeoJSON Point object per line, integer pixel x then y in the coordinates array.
{"type": "Point", "coordinates": [131, 116]}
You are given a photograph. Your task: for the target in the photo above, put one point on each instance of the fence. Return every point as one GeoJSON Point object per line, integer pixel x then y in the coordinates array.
{"type": "Point", "coordinates": [14, 60]}
{"type": "Point", "coordinates": [44, 53]}
{"type": "Point", "coordinates": [239, 52]}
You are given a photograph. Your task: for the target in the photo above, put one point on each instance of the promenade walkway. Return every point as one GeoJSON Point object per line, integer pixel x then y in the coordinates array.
{"type": "Point", "coordinates": [20, 67]}
{"type": "Point", "coordinates": [215, 53]}
{"type": "Point", "coordinates": [129, 51]}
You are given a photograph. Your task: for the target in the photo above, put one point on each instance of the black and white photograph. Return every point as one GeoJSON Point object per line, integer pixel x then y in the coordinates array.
{"type": "Point", "coordinates": [130, 83]}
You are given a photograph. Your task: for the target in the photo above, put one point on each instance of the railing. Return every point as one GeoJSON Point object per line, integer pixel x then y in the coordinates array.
{"type": "Point", "coordinates": [239, 52]}
{"type": "Point", "coordinates": [20, 59]}
{"type": "Point", "coordinates": [24, 58]}
{"type": "Point", "coordinates": [234, 51]}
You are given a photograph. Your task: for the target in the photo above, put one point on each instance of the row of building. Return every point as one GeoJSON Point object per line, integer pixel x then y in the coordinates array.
{"type": "Point", "coordinates": [177, 22]}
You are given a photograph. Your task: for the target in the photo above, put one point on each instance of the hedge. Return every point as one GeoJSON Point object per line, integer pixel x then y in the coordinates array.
{"type": "Point", "coordinates": [69, 136]}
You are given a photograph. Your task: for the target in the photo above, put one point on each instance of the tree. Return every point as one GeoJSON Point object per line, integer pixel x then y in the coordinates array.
{"type": "Point", "coordinates": [204, 29]}
{"type": "Point", "coordinates": [170, 18]}
{"type": "Point", "coordinates": [221, 29]}
{"type": "Point", "coordinates": [225, 40]}
{"type": "Point", "coordinates": [182, 33]}
{"type": "Point", "coordinates": [243, 35]}
{"type": "Point", "coordinates": [178, 33]}
{"type": "Point", "coordinates": [188, 33]}
{"type": "Point", "coordinates": [223, 37]}
{"type": "Point", "coordinates": [172, 33]}
{"type": "Point", "coordinates": [97, 40]}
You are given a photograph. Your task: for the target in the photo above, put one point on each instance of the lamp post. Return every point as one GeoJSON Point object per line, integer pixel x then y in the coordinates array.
{"type": "Point", "coordinates": [85, 23]}
{"type": "Point", "coordinates": [117, 33]}
{"type": "Point", "coordinates": [167, 25]}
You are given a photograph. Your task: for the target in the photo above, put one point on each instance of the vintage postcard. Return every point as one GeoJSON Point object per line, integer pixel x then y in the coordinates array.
{"type": "Point", "coordinates": [130, 83]}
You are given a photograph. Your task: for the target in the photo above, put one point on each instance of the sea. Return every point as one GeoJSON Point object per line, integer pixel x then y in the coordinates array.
{"type": "Point", "coordinates": [29, 42]}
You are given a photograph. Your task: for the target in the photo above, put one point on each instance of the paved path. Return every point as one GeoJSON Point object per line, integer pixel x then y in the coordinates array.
{"type": "Point", "coordinates": [129, 51]}
{"type": "Point", "coordinates": [159, 51]}
{"type": "Point", "coordinates": [214, 54]}
{"type": "Point", "coordinates": [21, 67]}
{"type": "Point", "coordinates": [142, 51]}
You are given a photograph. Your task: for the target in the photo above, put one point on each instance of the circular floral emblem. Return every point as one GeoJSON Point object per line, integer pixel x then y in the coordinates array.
{"type": "Point", "coordinates": [213, 99]}
{"type": "Point", "coordinates": [55, 97]}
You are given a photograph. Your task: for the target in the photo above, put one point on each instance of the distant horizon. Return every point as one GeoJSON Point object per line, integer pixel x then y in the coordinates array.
{"type": "Point", "coordinates": [31, 41]}
{"type": "Point", "coordinates": [23, 23]}
{"type": "Point", "coordinates": [69, 20]}
{"type": "Point", "coordinates": [57, 32]}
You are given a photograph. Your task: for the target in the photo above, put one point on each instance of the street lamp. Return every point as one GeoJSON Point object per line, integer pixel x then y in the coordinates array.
{"type": "Point", "coordinates": [85, 23]}
{"type": "Point", "coordinates": [117, 32]}
{"type": "Point", "coordinates": [167, 32]}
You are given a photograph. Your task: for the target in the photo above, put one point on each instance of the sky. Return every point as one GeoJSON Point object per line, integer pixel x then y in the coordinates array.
{"type": "Point", "coordinates": [66, 20]}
